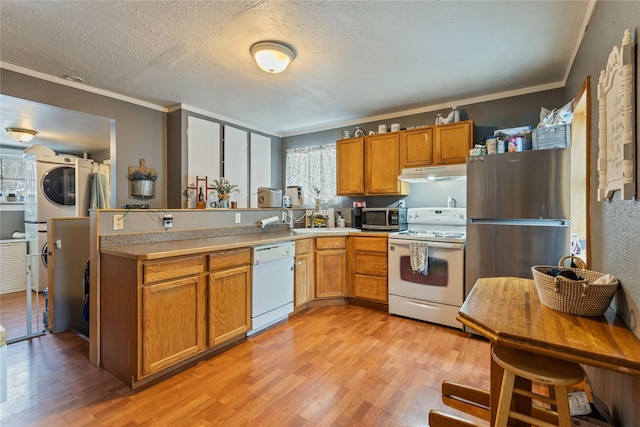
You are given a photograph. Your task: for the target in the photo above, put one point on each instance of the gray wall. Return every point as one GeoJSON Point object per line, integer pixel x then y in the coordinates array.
{"type": "Point", "coordinates": [615, 225]}
{"type": "Point", "coordinates": [140, 131]}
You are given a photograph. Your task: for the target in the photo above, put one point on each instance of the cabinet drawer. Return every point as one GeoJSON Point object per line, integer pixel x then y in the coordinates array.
{"type": "Point", "coordinates": [371, 288]}
{"type": "Point", "coordinates": [304, 246]}
{"type": "Point", "coordinates": [373, 264]}
{"type": "Point", "coordinates": [171, 269]}
{"type": "Point", "coordinates": [226, 259]}
{"type": "Point", "coordinates": [370, 244]}
{"type": "Point", "coordinates": [331, 243]}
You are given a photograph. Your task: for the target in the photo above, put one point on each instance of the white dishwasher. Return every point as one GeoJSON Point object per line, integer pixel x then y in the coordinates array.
{"type": "Point", "coordinates": [271, 284]}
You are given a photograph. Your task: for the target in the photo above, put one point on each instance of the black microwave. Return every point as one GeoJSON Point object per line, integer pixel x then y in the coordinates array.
{"type": "Point", "coordinates": [384, 219]}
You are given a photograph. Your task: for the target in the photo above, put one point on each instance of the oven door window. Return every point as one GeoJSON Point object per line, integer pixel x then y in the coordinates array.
{"type": "Point", "coordinates": [437, 272]}
{"type": "Point", "coordinates": [58, 185]}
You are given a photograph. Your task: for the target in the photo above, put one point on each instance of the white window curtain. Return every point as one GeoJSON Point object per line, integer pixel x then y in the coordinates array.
{"type": "Point", "coordinates": [312, 167]}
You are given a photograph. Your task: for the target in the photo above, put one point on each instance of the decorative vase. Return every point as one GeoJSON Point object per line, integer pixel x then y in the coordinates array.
{"type": "Point", "coordinates": [318, 205]}
{"type": "Point", "coordinates": [142, 188]}
{"type": "Point", "coordinates": [223, 200]}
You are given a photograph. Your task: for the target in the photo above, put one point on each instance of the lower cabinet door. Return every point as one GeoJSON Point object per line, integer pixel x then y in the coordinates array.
{"type": "Point", "coordinates": [331, 273]}
{"type": "Point", "coordinates": [229, 304]}
{"type": "Point", "coordinates": [371, 287]}
{"type": "Point", "coordinates": [172, 322]}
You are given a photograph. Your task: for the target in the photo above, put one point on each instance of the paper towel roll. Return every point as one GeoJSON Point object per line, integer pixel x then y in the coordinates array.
{"type": "Point", "coordinates": [268, 221]}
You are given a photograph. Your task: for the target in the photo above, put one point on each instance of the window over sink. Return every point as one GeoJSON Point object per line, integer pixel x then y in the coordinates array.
{"type": "Point", "coordinates": [313, 168]}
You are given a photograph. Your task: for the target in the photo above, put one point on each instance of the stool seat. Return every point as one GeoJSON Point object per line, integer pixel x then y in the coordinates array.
{"type": "Point", "coordinates": [537, 368]}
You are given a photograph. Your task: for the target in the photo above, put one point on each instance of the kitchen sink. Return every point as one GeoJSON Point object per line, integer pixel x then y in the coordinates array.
{"type": "Point", "coordinates": [324, 230]}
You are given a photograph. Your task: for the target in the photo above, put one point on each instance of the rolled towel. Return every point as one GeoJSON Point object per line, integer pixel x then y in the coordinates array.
{"type": "Point", "coordinates": [419, 257]}
{"type": "Point", "coordinates": [605, 280]}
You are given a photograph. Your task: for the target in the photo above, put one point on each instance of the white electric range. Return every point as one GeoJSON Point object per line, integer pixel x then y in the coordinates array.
{"type": "Point", "coordinates": [426, 266]}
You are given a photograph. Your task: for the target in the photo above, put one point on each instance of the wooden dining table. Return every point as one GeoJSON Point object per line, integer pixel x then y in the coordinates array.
{"type": "Point", "coordinates": [507, 311]}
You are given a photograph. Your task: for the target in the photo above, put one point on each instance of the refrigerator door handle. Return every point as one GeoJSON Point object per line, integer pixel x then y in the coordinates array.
{"type": "Point", "coordinates": [529, 222]}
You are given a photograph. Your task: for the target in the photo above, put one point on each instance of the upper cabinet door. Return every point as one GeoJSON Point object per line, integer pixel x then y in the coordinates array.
{"type": "Point", "coordinates": [350, 166]}
{"type": "Point", "coordinates": [260, 165]}
{"type": "Point", "coordinates": [416, 148]}
{"type": "Point", "coordinates": [236, 159]}
{"type": "Point", "coordinates": [203, 153]}
{"type": "Point", "coordinates": [382, 164]}
{"type": "Point", "coordinates": [452, 142]}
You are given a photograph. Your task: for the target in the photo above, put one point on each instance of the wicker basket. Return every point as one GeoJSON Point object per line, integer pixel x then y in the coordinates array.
{"type": "Point", "coordinates": [579, 297]}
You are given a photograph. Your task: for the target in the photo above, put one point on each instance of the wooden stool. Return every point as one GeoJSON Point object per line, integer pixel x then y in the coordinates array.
{"type": "Point", "coordinates": [553, 372]}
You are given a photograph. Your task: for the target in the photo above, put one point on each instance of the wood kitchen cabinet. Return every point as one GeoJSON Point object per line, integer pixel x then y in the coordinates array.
{"type": "Point", "coordinates": [416, 148]}
{"type": "Point", "coordinates": [173, 312]}
{"type": "Point", "coordinates": [452, 142]}
{"type": "Point", "coordinates": [369, 166]}
{"type": "Point", "coordinates": [330, 267]}
{"type": "Point", "coordinates": [350, 167]}
{"type": "Point", "coordinates": [436, 145]}
{"type": "Point", "coordinates": [152, 314]}
{"type": "Point", "coordinates": [303, 273]}
{"type": "Point", "coordinates": [172, 322]}
{"type": "Point", "coordinates": [382, 165]}
{"type": "Point", "coordinates": [368, 268]}
{"type": "Point", "coordinates": [229, 296]}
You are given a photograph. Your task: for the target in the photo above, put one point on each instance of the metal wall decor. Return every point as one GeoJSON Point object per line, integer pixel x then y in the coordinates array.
{"type": "Point", "coordinates": [142, 181]}
{"type": "Point", "coordinates": [616, 138]}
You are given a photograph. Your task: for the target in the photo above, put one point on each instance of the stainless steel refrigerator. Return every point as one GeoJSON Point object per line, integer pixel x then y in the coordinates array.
{"type": "Point", "coordinates": [518, 210]}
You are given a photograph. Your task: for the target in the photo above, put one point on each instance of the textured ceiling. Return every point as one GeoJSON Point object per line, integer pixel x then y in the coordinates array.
{"type": "Point", "coordinates": [355, 59]}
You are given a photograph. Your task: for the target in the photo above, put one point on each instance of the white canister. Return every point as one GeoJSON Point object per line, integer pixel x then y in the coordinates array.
{"type": "Point", "coordinates": [395, 127]}
{"type": "Point", "coordinates": [382, 128]}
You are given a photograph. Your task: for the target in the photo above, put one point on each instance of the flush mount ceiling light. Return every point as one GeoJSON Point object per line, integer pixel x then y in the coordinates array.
{"type": "Point", "coordinates": [272, 57]}
{"type": "Point", "coordinates": [21, 135]}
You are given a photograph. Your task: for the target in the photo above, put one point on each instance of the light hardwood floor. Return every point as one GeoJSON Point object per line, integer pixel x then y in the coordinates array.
{"type": "Point", "coordinates": [342, 366]}
{"type": "Point", "coordinates": [13, 313]}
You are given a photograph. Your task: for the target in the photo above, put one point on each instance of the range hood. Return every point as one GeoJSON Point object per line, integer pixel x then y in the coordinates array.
{"type": "Point", "coordinates": [434, 173]}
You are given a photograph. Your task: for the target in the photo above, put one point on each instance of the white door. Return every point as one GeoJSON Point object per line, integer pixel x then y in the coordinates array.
{"type": "Point", "coordinates": [203, 155]}
{"type": "Point", "coordinates": [260, 165]}
{"type": "Point", "coordinates": [235, 163]}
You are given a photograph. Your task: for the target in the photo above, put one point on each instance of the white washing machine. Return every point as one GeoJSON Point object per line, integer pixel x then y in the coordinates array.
{"type": "Point", "coordinates": [50, 187]}
{"type": "Point", "coordinates": [53, 189]}
{"type": "Point", "coordinates": [38, 258]}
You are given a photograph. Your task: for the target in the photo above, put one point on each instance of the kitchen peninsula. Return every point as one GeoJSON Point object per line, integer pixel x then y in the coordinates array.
{"type": "Point", "coordinates": [165, 304]}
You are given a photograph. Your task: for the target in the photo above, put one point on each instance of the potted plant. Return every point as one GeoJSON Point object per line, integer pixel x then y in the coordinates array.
{"type": "Point", "coordinates": [223, 187]}
{"type": "Point", "coordinates": [316, 190]}
{"type": "Point", "coordinates": [143, 183]}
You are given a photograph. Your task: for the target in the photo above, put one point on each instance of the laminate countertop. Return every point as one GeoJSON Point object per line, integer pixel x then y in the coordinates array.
{"type": "Point", "coordinates": [159, 250]}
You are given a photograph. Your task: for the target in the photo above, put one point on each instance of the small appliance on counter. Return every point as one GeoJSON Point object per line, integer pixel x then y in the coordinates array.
{"type": "Point", "coordinates": [295, 195]}
{"type": "Point", "coordinates": [356, 218]}
{"type": "Point", "coordinates": [269, 197]}
{"type": "Point", "coordinates": [384, 219]}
